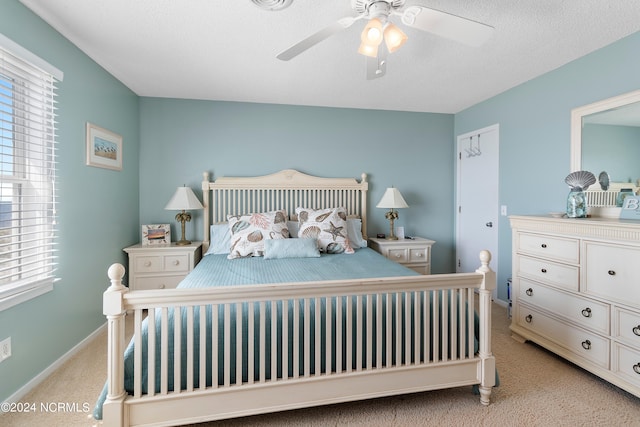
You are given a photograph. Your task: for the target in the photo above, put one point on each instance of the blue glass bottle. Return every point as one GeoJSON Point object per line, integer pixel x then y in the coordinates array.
{"type": "Point", "coordinates": [576, 204]}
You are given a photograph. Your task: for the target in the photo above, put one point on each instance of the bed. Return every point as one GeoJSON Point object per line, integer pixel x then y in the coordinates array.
{"type": "Point", "coordinates": [253, 331]}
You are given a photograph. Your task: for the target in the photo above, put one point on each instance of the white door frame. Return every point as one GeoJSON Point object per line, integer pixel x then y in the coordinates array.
{"type": "Point", "coordinates": [492, 189]}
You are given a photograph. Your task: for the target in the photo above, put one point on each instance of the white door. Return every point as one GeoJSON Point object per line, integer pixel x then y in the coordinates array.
{"type": "Point", "coordinates": [477, 198]}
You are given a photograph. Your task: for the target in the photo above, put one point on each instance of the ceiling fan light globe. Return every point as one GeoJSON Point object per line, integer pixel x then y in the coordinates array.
{"type": "Point", "coordinates": [372, 33]}
{"type": "Point", "coordinates": [394, 38]}
{"type": "Point", "coordinates": [368, 50]}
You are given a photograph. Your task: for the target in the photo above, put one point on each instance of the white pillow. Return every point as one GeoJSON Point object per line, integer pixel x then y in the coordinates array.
{"type": "Point", "coordinates": [354, 231]}
{"type": "Point", "coordinates": [220, 239]}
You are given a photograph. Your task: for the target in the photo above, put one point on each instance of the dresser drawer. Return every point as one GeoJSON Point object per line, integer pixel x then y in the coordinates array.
{"type": "Point", "coordinates": [612, 272]}
{"type": "Point", "coordinates": [548, 272]}
{"type": "Point", "coordinates": [158, 282]}
{"type": "Point", "coordinates": [627, 327]}
{"type": "Point", "coordinates": [557, 248]}
{"type": "Point", "coordinates": [626, 363]}
{"type": "Point", "coordinates": [585, 344]}
{"type": "Point", "coordinates": [587, 313]}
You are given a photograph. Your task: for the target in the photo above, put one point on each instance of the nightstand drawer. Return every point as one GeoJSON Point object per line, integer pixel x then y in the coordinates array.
{"type": "Point", "coordinates": [398, 255]}
{"type": "Point", "coordinates": [158, 282]}
{"type": "Point", "coordinates": [148, 264]}
{"type": "Point", "coordinates": [178, 262]}
{"type": "Point", "coordinates": [418, 254]}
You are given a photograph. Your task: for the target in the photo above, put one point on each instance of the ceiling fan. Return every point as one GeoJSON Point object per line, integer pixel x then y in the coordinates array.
{"type": "Point", "coordinates": [379, 27]}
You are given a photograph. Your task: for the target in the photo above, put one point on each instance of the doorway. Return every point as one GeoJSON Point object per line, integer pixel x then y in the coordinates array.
{"type": "Point", "coordinates": [477, 201]}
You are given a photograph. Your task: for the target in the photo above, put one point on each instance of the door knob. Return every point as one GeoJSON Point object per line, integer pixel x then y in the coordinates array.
{"type": "Point", "coordinates": [489, 224]}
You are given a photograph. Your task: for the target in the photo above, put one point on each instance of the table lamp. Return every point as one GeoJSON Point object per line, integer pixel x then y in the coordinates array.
{"type": "Point", "coordinates": [392, 199]}
{"type": "Point", "coordinates": [183, 199]}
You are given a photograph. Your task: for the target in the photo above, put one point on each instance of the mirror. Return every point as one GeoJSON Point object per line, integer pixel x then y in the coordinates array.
{"type": "Point", "coordinates": [605, 140]}
{"type": "Point", "coordinates": [605, 136]}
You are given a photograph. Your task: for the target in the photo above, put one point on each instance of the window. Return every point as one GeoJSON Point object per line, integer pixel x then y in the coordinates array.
{"type": "Point", "coordinates": [27, 175]}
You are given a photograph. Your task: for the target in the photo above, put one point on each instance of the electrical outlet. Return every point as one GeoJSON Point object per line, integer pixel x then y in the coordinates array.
{"type": "Point", "coordinates": [503, 210]}
{"type": "Point", "coordinates": [5, 349]}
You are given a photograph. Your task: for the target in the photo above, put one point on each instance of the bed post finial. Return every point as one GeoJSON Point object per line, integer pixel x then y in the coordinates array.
{"type": "Point", "coordinates": [116, 273]}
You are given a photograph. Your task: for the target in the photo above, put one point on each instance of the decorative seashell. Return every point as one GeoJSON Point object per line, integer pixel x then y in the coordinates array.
{"type": "Point", "coordinates": [580, 180]}
{"type": "Point", "coordinates": [255, 236]}
{"type": "Point", "coordinates": [342, 214]}
{"type": "Point", "coordinates": [322, 217]}
{"type": "Point", "coordinates": [239, 226]}
{"type": "Point", "coordinates": [280, 217]}
{"type": "Point", "coordinates": [335, 248]}
{"type": "Point", "coordinates": [311, 232]}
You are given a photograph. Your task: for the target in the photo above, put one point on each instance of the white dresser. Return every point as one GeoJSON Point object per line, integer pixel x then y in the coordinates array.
{"type": "Point", "coordinates": [576, 292]}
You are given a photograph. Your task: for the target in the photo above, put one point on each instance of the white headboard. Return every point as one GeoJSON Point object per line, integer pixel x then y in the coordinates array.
{"type": "Point", "coordinates": [287, 189]}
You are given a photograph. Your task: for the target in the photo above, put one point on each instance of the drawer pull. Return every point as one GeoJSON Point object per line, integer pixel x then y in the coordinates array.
{"type": "Point", "coordinates": [529, 292]}
{"type": "Point", "coordinates": [147, 263]}
{"type": "Point", "coordinates": [544, 246]}
{"type": "Point", "coordinates": [528, 319]}
{"type": "Point", "coordinates": [611, 273]}
{"type": "Point", "coordinates": [162, 286]}
{"type": "Point", "coordinates": [586, 344]}
{"type": "Point", "coordinates": [176, 262]}
{"type": "Point", "coordinates": [544, 270]}
{"type": "Point", "coordinates": [419, 254]}
{"type": "Point", "coordinates": [586, 312]}
{"type": "Point", "coordinates": [398, 256]}
{"type": "Point", "coordinates": [636, 330]}
{"type": "Point", "coordinates": [636, 368]}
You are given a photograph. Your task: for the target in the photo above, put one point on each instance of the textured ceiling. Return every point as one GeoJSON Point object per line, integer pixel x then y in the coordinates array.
{"type": "Point", "coordinates": [226, 49]}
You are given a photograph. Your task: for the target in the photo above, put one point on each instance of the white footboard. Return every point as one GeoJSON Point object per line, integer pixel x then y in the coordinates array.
{"type": "Point", "coordinates": [293, 345]}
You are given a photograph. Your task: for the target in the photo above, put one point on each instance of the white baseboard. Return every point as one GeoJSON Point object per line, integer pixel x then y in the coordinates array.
{"type": "Point", "coordinates": [35, 381]}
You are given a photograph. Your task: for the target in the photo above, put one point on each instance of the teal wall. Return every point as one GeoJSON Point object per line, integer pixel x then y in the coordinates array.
{"type": "Point", "coordinates": [180, 139]}
{"type": "Point", "coordinates": [98, 208]}
{"type": "Point", "coordinates": [535, 121]}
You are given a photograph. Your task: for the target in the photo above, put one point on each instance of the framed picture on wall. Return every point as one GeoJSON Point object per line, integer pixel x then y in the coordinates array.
{"type": "Point", "coordinates": [104, 148]}
{"type": "Point", "coordinates": [156, 234]}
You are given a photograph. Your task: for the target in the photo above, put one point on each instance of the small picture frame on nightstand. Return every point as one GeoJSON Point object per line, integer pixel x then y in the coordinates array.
{"type": "Point", "coordinates": [156, 234]}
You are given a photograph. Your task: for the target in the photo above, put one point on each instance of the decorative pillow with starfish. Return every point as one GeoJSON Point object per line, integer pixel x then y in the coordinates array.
{"type": "Point", "coordinates": [328, 226]}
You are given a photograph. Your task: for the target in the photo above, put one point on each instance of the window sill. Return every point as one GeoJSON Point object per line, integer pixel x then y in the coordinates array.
{"type": "Point", "coordinates": [18, 298]}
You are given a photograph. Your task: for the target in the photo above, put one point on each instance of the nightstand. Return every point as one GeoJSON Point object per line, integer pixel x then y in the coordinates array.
{"type": "Point", "coordinates": [161, 267]}
{"type": "Point", "coordinates": [413, 253]}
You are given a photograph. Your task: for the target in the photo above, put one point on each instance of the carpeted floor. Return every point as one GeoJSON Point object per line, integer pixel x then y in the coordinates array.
{"type": "Point", "coordinates": [537, 389]}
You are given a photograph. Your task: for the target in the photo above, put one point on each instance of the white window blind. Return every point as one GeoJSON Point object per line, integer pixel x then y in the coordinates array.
{"type": "Point", "coordinates": [27, 175]}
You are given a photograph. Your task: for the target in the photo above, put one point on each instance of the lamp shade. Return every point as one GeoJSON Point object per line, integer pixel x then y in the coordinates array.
{"type": "Point", "coordinates": [184, 199]}
{"type": "Point", "coordinates": [392, 199]}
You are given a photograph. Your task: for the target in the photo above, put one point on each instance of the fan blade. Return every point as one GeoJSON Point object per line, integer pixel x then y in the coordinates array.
{"type": "Point", "coordinates": [316, 38]}
{"type": "Point", "coordinates": [377, 67]}
{"type": "Point", "coordinates": [446, 25]}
